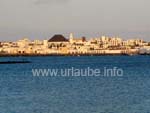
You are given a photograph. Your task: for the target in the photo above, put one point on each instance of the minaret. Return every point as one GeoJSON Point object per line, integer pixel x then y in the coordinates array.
{"type": "Point", "coordinates": [71, 38]}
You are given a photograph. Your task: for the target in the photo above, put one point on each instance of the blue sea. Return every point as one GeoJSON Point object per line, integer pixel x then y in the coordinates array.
{"type": "Point", "coordinates": [21, 92]}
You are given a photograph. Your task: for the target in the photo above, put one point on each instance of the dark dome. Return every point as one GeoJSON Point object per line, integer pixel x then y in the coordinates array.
{"type": "Point", "coordinates": [58, 38]}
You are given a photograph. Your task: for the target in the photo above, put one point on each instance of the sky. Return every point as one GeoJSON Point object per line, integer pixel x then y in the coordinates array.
{"type": "Point", "coordinates": [41, 19]}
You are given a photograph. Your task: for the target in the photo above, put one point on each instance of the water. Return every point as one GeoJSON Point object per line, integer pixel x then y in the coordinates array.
{"type": "Point", "coordinates": [20, 92]}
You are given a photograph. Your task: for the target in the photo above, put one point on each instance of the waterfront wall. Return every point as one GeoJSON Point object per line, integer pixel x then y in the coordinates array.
{"type": "Point", "coordinates": [88, 53]}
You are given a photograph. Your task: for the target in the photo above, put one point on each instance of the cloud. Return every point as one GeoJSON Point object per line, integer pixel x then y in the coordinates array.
{"type": "Point", "coordinates": [49, 1]}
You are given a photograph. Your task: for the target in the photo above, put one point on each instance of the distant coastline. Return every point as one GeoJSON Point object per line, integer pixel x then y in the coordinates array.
{"type": "Point", "coordinates": [34, 55]}
{"type": "Point", "coordinates": [58, 45]}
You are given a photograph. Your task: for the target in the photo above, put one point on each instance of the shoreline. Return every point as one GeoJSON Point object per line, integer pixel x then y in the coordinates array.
{"type": "Point", "coordinates": [36, 55]}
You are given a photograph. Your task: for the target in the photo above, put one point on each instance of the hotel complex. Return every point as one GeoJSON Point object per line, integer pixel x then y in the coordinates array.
{"type": "Point", "coordinates": [59, 45]}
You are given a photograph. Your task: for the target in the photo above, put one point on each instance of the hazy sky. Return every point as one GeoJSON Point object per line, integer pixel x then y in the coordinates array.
{"type": "Point", "coordinates": [40, 19]}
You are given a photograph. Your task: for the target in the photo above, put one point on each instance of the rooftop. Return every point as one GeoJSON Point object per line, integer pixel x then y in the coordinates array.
{"type": "Point", "coordinates": [58, 38]}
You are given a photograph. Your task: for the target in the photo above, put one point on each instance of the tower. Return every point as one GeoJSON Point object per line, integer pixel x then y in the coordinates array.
{"type": "Point", "coordinates": [45, 43]}
{"type": "Point", "coordinates": [71, 38]}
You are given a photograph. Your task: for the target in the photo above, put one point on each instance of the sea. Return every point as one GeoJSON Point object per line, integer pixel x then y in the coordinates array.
{"type": "Point", "coordinates": [23, 92]}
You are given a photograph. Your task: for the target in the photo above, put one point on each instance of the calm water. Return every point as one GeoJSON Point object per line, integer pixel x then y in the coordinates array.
{"type": "Point", "coordinates": [20, 92]}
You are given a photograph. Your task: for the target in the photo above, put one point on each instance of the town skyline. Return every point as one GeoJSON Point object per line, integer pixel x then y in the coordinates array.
{"type": "Point", "coordinates": [60, 45]}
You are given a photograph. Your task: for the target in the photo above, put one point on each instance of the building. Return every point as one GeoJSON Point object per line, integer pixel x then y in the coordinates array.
{"type": "Point", "coordinates": [58, 44]}
{"type": "Point", "coordinates": [23, 43]}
